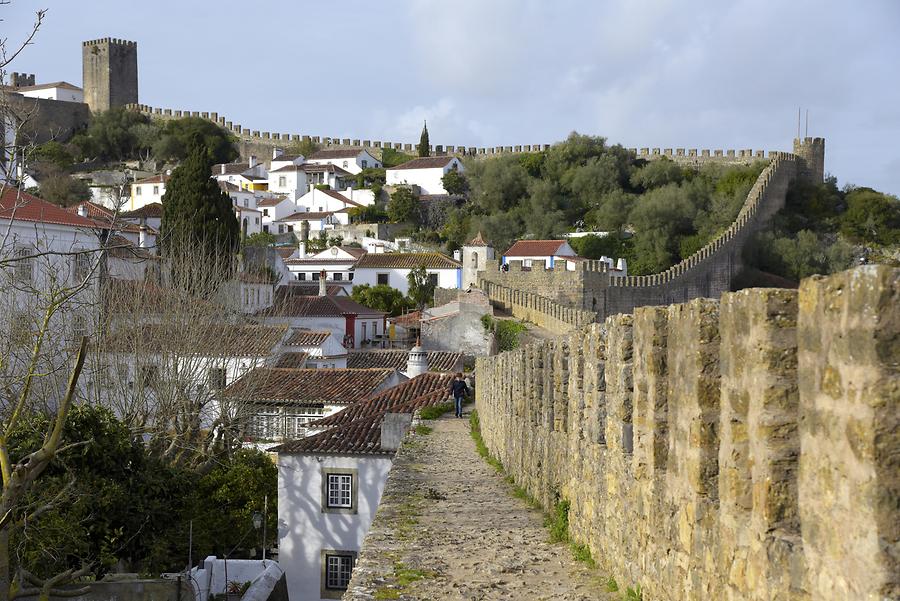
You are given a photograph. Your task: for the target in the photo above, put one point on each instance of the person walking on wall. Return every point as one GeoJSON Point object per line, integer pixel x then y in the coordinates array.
{"type": "Point", "coordinates": [459, 389]}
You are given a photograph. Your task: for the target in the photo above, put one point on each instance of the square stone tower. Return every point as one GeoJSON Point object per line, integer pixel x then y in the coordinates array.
{"type": "Point", "coordinates": [110, 74]}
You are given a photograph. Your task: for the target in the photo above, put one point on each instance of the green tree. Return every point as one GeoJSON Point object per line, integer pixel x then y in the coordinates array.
{"type": "Point", "coordinates": [260, 239]}
{"type": "Point", "coordinates": [424, 150]}
{"type": "Point", "coordinates": [305, 147]}
{"type": "Point", "coordinates": [403, 206]}
{"type": "Point", "coordinates": [112, 135]}
{"type": "Point", "coordinates": [382, 298]}
{"type": "Point", "coordinates": [60, 188]}
{"type": "Point", "coordinates": [455, 182]}
{"type": "Point", "coordinates": [198, 218]}
{"type": "Point", "coordinates": [657, 173]}
{"type": "Point", "coordinates": [175, 139]}
{"type": "Point", "coordinates": [871, 217]}
{"type": "Point", "coordinates": [421, 287]}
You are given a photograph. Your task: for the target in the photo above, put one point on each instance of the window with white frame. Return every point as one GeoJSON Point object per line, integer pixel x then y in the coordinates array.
{"type": "Point", "coordinates": [338, 276]}
{"type": "Point", "coordinates": [265, 425]}
{"type": "Point", "coordinates": [337, 567]}
{"type": "Point", "coordinates": [217, 378]}
{"type": "Point", "coordinates": [155, 190]}
{"type": "Point", "coordinates": [365, 163]}
{"type": "Point", "coordinates": [282, 181]}
{"type": "Point", "coordinates": [381, 279]}
{"type": "Point", "coordinates": [340, 491]}
{"type": "Point", "coordinates": [345, 164]}
{"type": "Point", "coordinates": [79, 328]}
{"type": "Point", "coordinates": [301, 276]}
{"type": "Point", "coordinates": [137, 190]}
{"type": "Point", "coordinates": [374, 329]}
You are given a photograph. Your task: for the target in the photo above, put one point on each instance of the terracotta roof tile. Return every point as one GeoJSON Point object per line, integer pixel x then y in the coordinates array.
{"type": "Point", "coordinates": [159, 178]}
{"type": "Point", "coordinates": [349, 153]}
{"type": "Point", "coordinates": [292, 360]}
{"type": "Point", "coordinates": [411, 319]}
{"type": "Point", "coordinates": [338, 196]}
{"type": "Point", "coordinates": [270, 201]}
{"type": "Point", "coordinates": [309, 338]}
{"type": "Point", "coordinates": [311, 289]}
{"type": "Point", "coordinates": [534, 248]}
{"type": "Point", "coordinates": [438, 361]}
{"type": "Point", "coordinates": [212, 340]}
{"type": "Point", "coordinates": [309, 215]}
{"type": "Point", "coordinates": [230, 168]}
{"type": "Point", "coordinates": [307, 386]}
{"type": "Point", "coordinates": [316, 306]}
{"type": "Point", "coordinates": [21, 206]}
{"type": "Point", "coordinates": [424, 163]}
{"type": "Point", "coordinates": [407, 261]}
{"type": "Point", "coordinates": [357, 429]}
{"type": "Point", "coordinates": [148, 211]}
{"type": "Point", "coordinates": [479, 240]}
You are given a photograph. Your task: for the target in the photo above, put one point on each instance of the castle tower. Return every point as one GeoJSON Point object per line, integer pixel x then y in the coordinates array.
{"type": "Point", "coordinates": [475, 254]}
{"type": "Point", "coordinates": [109, 71]}
{"type": "Point", "coordinates": [812, 152]}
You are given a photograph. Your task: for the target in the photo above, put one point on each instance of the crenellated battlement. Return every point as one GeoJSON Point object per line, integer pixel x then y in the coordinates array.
{"type": "Point", "coordinates": [732, 449]}
{"type": "Point", "coordinates": [111, 41]}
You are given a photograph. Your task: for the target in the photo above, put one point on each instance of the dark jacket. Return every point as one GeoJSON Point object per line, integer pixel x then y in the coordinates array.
{"type": "Point", "coordinates": [459, 388]}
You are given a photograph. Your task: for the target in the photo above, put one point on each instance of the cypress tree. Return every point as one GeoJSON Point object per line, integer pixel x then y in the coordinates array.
{"type": "Point", "coordinates": [423, 141]}
{"type": "Point", "coordinates": [197, 217]}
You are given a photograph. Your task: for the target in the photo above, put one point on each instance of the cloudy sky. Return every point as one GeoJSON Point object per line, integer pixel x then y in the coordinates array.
{"type": "Point", "coordinates": [657, 73]}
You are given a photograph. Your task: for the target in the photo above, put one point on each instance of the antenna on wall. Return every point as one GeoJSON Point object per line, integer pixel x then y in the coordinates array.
{"type": "Point", "coordinates": [798, 122]}
{"type": "Point", "coordinates": [806, 133]}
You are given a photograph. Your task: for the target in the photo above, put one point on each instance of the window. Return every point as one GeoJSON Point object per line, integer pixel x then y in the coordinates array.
{"type": "Point", "coordinates": [337, 567]}
{"type": "Point", "coordinates": [381, 279]}
{"type": "Point", "coordinates": [19, 328]}
{"type": "Point", "coordinates": [350, 277]}
{"type": "Point", "coordinates": [315, 276]}
{"type": "Point", "coordinates": [265, 425]}
{"type": "Point", "coordinates": [374, 329]}
{"type": "Point", "coordinates": [137, 190]}
{"type": "Point", "coordinates": [23, 267]}
{"type": "Point", "coordinates": [321, 209]}
{"type": "Point", "coordinates": [433, 279]}
{"type": "Point", "coordinates": [79, 328]}
{"type": "Point", "coordinates": [217, 378]}
{"type": "Point", "coordinates": [155, 190]}
{"type": "Point", "coordinates": [339, 490]}
{"type": "Point", "coordinates": [280, 229]}
{"type": "Point", "coordinates": [282, 181]}
{"type": "Point", "coordinates": [147, 375]}
{"type": "Point", "coordinates": [345, 164]}
{"type": "Point", "coordinates": [301, 276]}
{"type": "Point", "coordinates": [257, 221]}
{"type": "Point", "coordinates": [290, 228]}
{"type": "Point", "coordinates": [246, 203]}
{"type": "Point", "coordinates": [338, 276]}
{"type": "Point", "coordinates": [81, 266]}
{"type": "Point", "coordinates": [265, 212]}
{"type": "Point", "coordinates": [365, 163]}
{"type": "Point", "coordinates": [266, 229]}
{"type": "Point", "coordinates": [475, 260]}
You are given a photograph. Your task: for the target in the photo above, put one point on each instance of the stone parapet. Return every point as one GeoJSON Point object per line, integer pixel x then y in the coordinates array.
{"type": "Point", "coordinates": [745, 448]}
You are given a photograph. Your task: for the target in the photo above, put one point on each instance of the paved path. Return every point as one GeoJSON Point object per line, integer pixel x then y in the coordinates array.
{"type": "Point", "coordinates": [448, 528]}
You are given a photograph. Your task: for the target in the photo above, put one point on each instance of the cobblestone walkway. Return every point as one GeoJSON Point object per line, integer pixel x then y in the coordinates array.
{"type": "Point", "coordinates": [448, 528]}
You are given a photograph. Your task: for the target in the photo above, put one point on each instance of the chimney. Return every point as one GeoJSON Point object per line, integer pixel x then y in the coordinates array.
{"type": "Point", "coordinates": [276, 152]}
{"type": "Point", "coordinates": [322, 275]}
{"type": "Point", "coordinates": [622, 266]}
{"type": "Point", "coordinates": [222, 167]}
{"type": "Point", "coordinates": [142, 237]}
{"type": "Point", "coordinates": [82, 210]}
{"type": "Point", "coordinates": [252, 161]}
{"type": "Point", "coordinates": [301, 249]}
{"type": "Point", "coordinates": [393, 429]}
{"type": "Point", "coordinates": [457, 255]}
{"type": "Point", "coordinates": [417, 363]}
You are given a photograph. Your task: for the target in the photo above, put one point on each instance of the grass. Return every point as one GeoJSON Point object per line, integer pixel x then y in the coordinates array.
{"type": "Point", "coordinates": [634, 594]}
{"type": "Point", "coordinates": [482, 449]}
{"type": "Point", "coordinates": [611, 585]}
{"type": "Point", "coordinates": [435, 411]}
{"type": "Point", "coordinates": [402, 577]}
{"type": "Point", "coordinates": [424, 430]}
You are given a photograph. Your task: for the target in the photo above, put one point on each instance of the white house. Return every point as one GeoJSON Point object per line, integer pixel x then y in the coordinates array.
{"type": "Point", "coordinates": [250, 176]}
{"type": "Point", "coordinates": [331, 175]}
{"type": "Point", "coordinates": [147, 191]}
{"type": "Point", "coordinates": [330, 485]}
{"type": "Point", "coordinates": [355, 325]}
{"type": "Point", "coordinates": [318, 221]}
{"type": "Point", "coordinates": [250, 220]}
{"type": "Point", "coordinates": [531, 251]}
{"type": "Point", "coordinates": [352, 160]}
{"type": "Point", "coordinates": [58, 90]}
{"type": "Point", "coordinates": [424, 172]}
{"type": "Point", "coordinates": [337, 262]}
{"type": "Point", "coordinates": [392, 269]}
{"type": "Point", "coordinates": [327, 201]}
{"type": "Point", "coordinates": [321, 349]}
{"type": "Point", "coordinates": [150, 214]}
{"type": "Point", "coordinates": [289, 178]}
{"type": "Point", "coordinates": [280, 402]}
{"type": "Point", "coordinates": [273, 209]}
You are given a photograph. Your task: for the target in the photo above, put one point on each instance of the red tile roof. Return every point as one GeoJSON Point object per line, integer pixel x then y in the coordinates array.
{"type": "Point", "coordinates": [438, 361]}
{"type": "Point", "coordinates": [152, 210]}
{"type": "Point", "coordinates": [479, 240]}
{"type": "Point", "coordinates": [307, 386]}
{"type": "Point", "coordinates": [348, 153]}
{"type": "Point", "coordinates": [159, 178]}
{"type": "Point", "coordinates": [338, 196]}
{"type": "Point", "coordinates": [534, 248]}
{"type": "Point", "coordinates": [359, 432]}
{"type": "Point", "coordinates": [316, 306]}
{"type": "Point", "coordinates": [309, 338]}
{"type": "Point", "coordinates": [21, 206]}
{"type": "Point", "coordinates": [411, 319]}
{"type": "Point", "coordinates": [424, 163]}
{"type": "Point", "coordinates": [292, 360]}
{"type": "Point", "coordinates": [307, 289]}
{"type": "Point", "coordinates": [94, 211]}
{"type": "Point", "coordinates": [309, 215]}
{"type": "Point", "coordinates": [270, 201]}
{"type": "Point", "coordinates": [422, 385]}
{"type": "Point", "coordinates": [230, 168]}
{"type": "Point", "coordinates": [407, 261]}
{"type": "Point", "coordinates": [207, 340]}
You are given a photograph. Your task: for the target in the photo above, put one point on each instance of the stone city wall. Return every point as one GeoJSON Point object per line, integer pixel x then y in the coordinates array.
{"type": "Point", "coordinates": [747, 448]}
{"type": "Point", "coordinates": [706, 273]}
{"type": "Point", "coordinates": [537, 309]}
{"type": "Point", "coordinates": [43, 120]}
{"type": "Point", "coordinates": [258, 140]}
